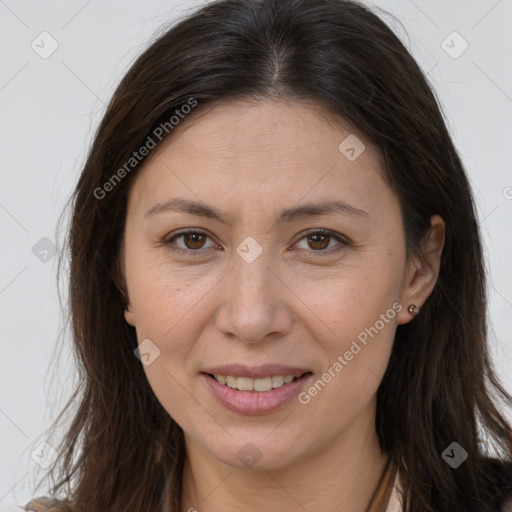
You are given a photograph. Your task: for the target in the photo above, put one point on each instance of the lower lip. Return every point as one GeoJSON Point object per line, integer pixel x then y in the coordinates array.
{"type": "Point", "coordinates": [256, 402]}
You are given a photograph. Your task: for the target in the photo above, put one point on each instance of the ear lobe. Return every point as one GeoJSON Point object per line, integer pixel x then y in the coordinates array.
{"type": "Point", "coordinates": [120, 282]}
{"type": "Point", "coordinates": [424, 269]}
{"type": "Point", "coordinates": [129, 316]}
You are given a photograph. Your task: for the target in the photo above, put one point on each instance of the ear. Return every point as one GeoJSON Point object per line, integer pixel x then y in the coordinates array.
{"type": "Point", "coordinates": [120, 281]}
{"type": "Point", "coordinates": [423, 270]}
{"type": "Point", "coordinates": [129, 316]}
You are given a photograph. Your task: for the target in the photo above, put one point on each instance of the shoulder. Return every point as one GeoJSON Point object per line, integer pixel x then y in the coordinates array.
{"type": "Point", "coordinates": [500, 481]}
{"type": "Point", "coordinates": [46, 504]}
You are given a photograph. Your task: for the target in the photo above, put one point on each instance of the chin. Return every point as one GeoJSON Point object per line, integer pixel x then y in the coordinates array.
{"type": "Point", "coordinates": [256, 452]}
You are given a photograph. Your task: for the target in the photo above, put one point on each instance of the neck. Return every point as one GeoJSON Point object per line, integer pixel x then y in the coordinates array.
{"type": "Point", "coordinates": [340, 474]}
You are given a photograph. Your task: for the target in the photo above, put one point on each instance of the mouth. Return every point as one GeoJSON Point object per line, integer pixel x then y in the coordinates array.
{"type": "Point", "coordinates": [258, 395]}
{"type": "Point", "coordinates": [259, 385]}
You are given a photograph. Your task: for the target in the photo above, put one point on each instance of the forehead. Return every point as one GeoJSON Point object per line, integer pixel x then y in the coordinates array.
{"type": "Point", "coordinates": [292, 129]}
{"type": "Point", "coordinates": [275, 150]}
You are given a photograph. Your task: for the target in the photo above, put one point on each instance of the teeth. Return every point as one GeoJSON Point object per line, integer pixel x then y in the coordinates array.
{"type": "Point", "coordinates": [245, 384]}
{"type": "Point", "coordinates": [261, 384]}
{"type": "Point", "coordinates": [231, 381]}
{"type": "Point", "coordinates": [277, 381]}
{"type": "Point", "coordinates": [249, 384]}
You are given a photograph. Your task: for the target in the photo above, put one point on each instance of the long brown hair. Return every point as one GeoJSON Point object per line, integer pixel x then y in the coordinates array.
{"type": "Point", "coordinates": [123, 451]}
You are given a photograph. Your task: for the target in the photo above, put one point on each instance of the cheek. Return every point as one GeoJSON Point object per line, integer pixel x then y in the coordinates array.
{"type": "Point", "coordinates": [355, 361]}
{"type": "Point", "coordinates": [353, 297]}
{"type": "Point", "coordinates": [176, 395]}
{"type": "Point", "coordinates": [167, 299]}
{"type": "Point", "coordinates": [170, 311]}
{"type": "Point", "coordinates": [356, 316]}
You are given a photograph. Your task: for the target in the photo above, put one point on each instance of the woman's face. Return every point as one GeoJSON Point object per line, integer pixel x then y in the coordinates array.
{"type": "Point", "coordinates": [296, 267]}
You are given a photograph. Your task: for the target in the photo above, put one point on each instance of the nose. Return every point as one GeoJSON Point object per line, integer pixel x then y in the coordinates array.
{"type": "Point", "coordinates": [255, 301]}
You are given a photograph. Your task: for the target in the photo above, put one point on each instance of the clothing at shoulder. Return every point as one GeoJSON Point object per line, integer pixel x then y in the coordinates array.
{"type": "Point", "coordinates": [395, 504]}
{"type": "Point", "coordinates": [47, 504]}
{"type": "Point", "coordinates": [507, 506]}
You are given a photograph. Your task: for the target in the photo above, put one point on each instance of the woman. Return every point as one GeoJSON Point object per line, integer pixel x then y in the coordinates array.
{"type": "Point", "coordinates": [277, 285]}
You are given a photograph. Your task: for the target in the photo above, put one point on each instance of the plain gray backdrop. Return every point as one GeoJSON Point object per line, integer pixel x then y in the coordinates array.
{"type": "Point", "coordinates": [59, 64]}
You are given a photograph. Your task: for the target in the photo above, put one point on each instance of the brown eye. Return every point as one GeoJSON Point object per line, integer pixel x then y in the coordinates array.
{"type": "Point", "coordinates": [193, 240]}
{"type": "Point", "coordinates": [320, 240]}
{"type": "Point", "coordinates": [188, 242]}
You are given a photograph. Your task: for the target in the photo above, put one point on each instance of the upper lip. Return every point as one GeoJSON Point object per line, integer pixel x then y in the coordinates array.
{"type": "Point", "coordinates": [255, 372]}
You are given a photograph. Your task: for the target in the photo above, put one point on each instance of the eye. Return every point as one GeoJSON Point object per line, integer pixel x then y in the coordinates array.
{"type": "Point", "coordinates": [194, 240]}
{"type": "Point", "coordinates": [320, 239]}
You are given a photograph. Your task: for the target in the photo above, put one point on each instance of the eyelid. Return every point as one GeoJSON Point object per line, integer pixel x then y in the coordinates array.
{"type": "Point", "coordinates": [341, 239]}
{"type": "Point", "coordinates": [168, 240]}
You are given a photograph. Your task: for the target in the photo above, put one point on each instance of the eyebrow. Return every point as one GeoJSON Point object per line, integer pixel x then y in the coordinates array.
{"type": "Point", "coordinates": [294, 213]}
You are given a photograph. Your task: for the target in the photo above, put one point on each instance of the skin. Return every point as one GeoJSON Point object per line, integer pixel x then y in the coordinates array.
{"type": "Point", "coordinates": [296, 304]}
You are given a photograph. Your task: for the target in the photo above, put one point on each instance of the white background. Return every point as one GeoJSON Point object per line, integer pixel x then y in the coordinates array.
{"type": "Point", "coordinates": [50, 109]}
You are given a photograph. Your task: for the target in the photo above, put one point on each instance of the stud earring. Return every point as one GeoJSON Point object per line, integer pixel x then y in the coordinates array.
{"type": "Point", "coordinates": [413, 309]}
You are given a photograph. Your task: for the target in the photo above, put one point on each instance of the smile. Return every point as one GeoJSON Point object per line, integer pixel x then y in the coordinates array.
{"type": "Point", "coordinates": [248, 384]}
{"type": "Point", "coordinates": [255, 396]}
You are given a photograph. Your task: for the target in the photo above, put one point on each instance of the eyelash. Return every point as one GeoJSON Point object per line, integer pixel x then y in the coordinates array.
{"type": "Point", "coordinates": [197, 252]}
